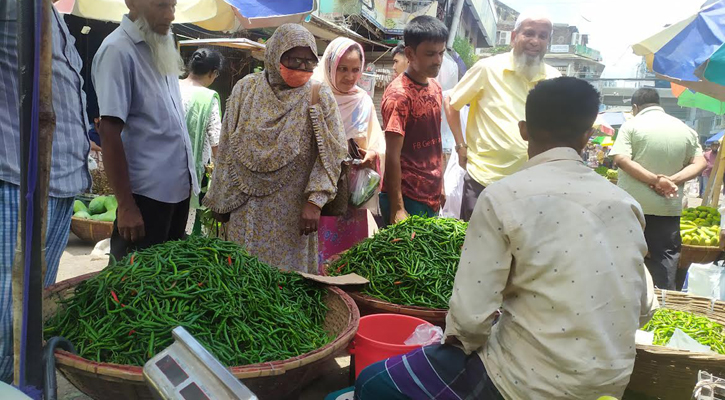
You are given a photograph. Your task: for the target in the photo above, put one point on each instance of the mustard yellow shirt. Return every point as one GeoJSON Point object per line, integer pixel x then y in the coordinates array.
{"type": "Point", "coordinates": [497, 95]}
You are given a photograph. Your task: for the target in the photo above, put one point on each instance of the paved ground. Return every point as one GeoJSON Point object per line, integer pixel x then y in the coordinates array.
{"type": "Point", "coordinates": [77, 260]}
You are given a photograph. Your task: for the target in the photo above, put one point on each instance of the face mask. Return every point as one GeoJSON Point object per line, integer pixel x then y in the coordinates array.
{"type": "Point", "coordinates": [294, 78]}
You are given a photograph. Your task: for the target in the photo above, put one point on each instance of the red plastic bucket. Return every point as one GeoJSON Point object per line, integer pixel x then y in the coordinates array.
{"type": "Point", "coordinates": [381, 336]}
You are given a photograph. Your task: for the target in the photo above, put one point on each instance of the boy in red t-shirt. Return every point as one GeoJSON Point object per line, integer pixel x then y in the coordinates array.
{"type": "Point", "coordinates": [411, 108]}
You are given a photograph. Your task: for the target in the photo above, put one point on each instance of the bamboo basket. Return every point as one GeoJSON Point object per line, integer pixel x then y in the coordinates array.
{"type": "Point", "coordinates": [698, 254]}
{"type": "Point", "coordinates": [371, 305]}
{"type": "Point", "coordinates": [670, 374]}
{"type": "Point", "coordinates": [103, 381]}
{"type": "Point", "coordinates": [89, 230]}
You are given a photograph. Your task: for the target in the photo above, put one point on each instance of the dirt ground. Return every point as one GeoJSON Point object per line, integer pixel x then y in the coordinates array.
{"type": "Point", "coordinates": [77, 260]}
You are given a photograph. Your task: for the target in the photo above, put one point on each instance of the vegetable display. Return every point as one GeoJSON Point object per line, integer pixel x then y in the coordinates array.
{"type": "Point", "coordinates": [242, 310]}
{"type": "Point", "coordinates": [411, 263]}
{"type": "Point", "coordinates": [702, 329]}
{"type": "Point", "coordinates": [101, 208]}
{"type": "Point", "coordinates": [611, 174]}
{"type": "Point", "coordinates": [700, 226]}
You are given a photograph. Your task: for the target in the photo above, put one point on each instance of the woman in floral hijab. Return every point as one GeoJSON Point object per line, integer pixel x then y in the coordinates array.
{"type": "Point", "coordinates": [280, 156]}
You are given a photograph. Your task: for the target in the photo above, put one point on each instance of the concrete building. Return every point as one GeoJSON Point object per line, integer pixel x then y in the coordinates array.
{"type": "Point", "coordinates": [569, 53]}
{"type": "Point", "coordinates": [478, 21]}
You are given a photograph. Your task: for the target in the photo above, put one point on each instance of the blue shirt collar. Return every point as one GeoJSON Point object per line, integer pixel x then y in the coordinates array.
{"type": "Point", "coordinates": [131, 30]}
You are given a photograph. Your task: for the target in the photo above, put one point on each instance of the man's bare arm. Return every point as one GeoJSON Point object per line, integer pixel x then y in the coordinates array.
{"type": "Point", "coordinates": [393, 176]}
{"type": "Point", "coordinates": [691, 171]}
{"type": "Point", "coordinates": [454, 122]}
{"type": "Point", "coordinates": [661, 184]}
{"type": "Point", "coordinates": [129, 220]}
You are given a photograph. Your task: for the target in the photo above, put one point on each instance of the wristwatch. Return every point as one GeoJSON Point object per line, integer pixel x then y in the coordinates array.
{"type": "Point", "coordinates": [461, 146]}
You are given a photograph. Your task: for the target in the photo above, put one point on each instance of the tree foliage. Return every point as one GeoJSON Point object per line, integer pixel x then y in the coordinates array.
{"type": "Point", "coordinates": [465, 49]}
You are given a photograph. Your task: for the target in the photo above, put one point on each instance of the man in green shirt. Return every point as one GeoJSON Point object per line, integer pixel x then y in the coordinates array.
{"type": "Point", "coordinates": [657, 154]}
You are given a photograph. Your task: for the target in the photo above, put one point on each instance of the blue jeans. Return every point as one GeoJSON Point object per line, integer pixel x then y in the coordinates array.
{"type": "Point", "coordinates": [411, 206]}
{"type": "Point", "coordinates": [60, 211]}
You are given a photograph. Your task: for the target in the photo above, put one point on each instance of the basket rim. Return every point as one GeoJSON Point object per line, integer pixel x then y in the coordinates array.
{"type": "Point", "coordinates": [703, 248]}
{"type": "Point", "coordinates": [437, 312]}
{"type": "Point", "coordinates": [90, 221]}
{"type": "Point", "coordinates": [357, 295]}
{"type": "Point", "coordinates": [135, 373]}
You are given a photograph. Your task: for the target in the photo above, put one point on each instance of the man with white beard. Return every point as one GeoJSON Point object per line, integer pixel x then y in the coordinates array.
{"type": "Point", "coordinates": [146, 147]}
{"type": "Point", "coordinates": [496, 88]}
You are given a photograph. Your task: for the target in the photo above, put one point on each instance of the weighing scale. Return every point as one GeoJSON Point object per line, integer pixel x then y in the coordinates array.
{"type": "Point", "coordinates": [187, 371]}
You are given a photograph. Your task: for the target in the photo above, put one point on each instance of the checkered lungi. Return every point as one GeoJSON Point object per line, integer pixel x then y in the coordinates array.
{"type": "Point", "coordinates": [431, 372]}
{"type": "Point", "coordinates": [60, 211]}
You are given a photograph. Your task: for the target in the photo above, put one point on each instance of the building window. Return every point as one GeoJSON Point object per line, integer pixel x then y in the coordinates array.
{"type": "Point", "coordinates": [563, 70]}
{"type": "Point", "coordinates": [504, 38]}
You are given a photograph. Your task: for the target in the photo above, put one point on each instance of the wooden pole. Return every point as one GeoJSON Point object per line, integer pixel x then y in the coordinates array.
{"type": "Point", "coordinates": [712, 194]}
{"type": "Point", "coordinates": [27, 307]}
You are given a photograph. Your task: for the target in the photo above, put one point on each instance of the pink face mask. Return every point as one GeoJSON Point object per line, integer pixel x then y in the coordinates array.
{"type": "Point", "coordinates": [294, 78]}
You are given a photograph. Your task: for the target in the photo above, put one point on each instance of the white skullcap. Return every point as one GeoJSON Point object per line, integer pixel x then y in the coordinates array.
{"type": "Point", "coordinates": [533, 14]}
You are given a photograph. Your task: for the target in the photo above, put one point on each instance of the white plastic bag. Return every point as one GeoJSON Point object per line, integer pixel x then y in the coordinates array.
{"type": "Point", "coordinates": [453, 181]}
{"type": "Point", "coordinates": [706, 280]}
{"type": "Point", "coordinates": [644, 338]}
{"type": "Point", "coordinates": [363, 184]}
{"type": "Point", "coordinates": [424, 335]}
{"type": "Point", "coordinates": [682, 341]}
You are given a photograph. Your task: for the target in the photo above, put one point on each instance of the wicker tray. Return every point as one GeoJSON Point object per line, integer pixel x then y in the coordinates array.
{"type": "Point", "coordinates": [671, 374]}
{"type": "Point", "coordinates": [90, 230]}
{"type": "Point", "coordinates": [698, 254]}
{"type": "Point", "coordinates": [103, 381]}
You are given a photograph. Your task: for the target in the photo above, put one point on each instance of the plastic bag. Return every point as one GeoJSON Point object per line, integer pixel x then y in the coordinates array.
{"type": "Point", "coordinates": [363, 184]}
{"type": "Point", "coordinates": [453, 181]}
{"type": "Point", "coordinates": [682, 341]}
{"type": "Point", "coordinates": [707, 280]}
{"type": "Point", "coordinates": [644, 338]}
{"type": "Point", "coordinates": [424, 335]}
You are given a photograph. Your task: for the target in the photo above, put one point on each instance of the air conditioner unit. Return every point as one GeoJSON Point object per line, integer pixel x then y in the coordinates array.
{"type": "Point", "coordinates": [576, 38]}
{"type": "Point", "coordinates": [504, 38]}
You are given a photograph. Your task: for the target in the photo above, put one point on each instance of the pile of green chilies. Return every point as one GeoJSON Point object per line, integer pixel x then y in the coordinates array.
{"type": "Point", "coordinates": [242, 310]}
{"type": "Point", "coordinates": [702, 329]}
{"type": "Point", "coordinates": [411, 263]}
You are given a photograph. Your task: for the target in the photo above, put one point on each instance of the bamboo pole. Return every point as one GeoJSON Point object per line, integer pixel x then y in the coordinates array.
{"type": "Point", "coordinates": [29, 372]}
{"type": "Point", "coordinates": [711, 196]}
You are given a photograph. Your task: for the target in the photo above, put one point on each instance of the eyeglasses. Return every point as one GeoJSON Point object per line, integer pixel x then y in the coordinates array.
{"type": "Point", "coordinates": [297, 62]}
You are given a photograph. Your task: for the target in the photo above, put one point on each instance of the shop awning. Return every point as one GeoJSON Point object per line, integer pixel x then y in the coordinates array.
{"type": "Point", "coordinates": [239, 43]}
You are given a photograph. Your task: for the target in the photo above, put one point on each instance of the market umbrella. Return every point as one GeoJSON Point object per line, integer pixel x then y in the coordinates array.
{"type": "Point", "coordinates": [687, 97]}
{"type": "Point", "coordinates": [213, 15]}
{"type": "Point", "coordinates": [255, 14]}
{"type": "Point", "coordinates": [113, 10]}
{"type": "Point", "coordinates": [681, 53]}
{"type": "Point", "coordinates": [602, 126]}
{"type": "Point", "coordinates": [715, 138]}
{"type": "Point", "coordinates": [603, 140]}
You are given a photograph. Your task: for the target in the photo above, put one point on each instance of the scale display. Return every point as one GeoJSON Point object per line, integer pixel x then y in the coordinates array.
{"type": "Point", "coordinates": [187, 371]}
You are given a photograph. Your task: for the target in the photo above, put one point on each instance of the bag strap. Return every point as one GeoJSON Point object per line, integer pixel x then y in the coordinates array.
{"type": "Point", "coordinates": [315, 92]}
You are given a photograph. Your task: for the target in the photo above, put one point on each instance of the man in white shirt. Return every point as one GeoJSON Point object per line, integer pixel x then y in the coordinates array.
{"type": "Point", "coordinates": [560, 250]}
{"type": "Point", "coordinates": [146, 146]}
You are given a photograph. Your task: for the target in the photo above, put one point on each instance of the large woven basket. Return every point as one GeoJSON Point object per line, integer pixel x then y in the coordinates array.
{"type": "Point", "coordinates": [90, 230]}
{"type": "Point", "coordinates": [102, 381]}
{"type": "Point", "coordinates": [371, 305]}
{"type": "Point", "coordinates": [698, 254]}
{"type": "Point", "coordinates": [670, 374]}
